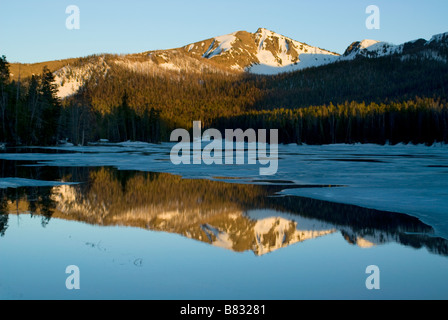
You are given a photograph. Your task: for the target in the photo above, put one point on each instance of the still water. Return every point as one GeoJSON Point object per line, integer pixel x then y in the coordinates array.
{"type": "Point", "coordinates": [156, 235]}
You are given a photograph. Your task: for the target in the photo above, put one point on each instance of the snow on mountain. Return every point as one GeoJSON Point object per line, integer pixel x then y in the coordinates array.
{"type": "Point", "coordinates": [277, 53]}
{"type": "Point", "coordinates": [273, 233]}
{"type": "Point", "coordinates": [370, 49]}
{"type": "Point", "coordinates": [260, 231]}
{"type": "Point", "coordinates": [71, 78]}
{"type": "Point", "coordinates": [224, 43]}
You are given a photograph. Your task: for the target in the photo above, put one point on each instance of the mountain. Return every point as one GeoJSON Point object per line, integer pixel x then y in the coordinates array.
{"type": "Point", "coordinates": [144, 96]}
{"type": "Point", "coordinates": [262, 52]}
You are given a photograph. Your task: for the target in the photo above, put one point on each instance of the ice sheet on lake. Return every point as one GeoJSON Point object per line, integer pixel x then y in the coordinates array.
{"type": "Point", "coordinates": [403, 178]}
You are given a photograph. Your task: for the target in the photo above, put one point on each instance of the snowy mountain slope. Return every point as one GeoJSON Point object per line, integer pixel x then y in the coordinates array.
{"type": "Point", "coordinates": [370, 49]}
{"type": "Point", "coordinates": [261, 230]}
{"type": "Point", "coordinates": [262, 52]}
{"type": "Point", "coordinates": [435, 48]}
{"type": "Point", "coordinates": [71, 78]}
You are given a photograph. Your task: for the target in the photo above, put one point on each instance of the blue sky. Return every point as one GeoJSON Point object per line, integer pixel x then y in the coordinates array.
{"type": "Point", "coordinates": [33, 31]}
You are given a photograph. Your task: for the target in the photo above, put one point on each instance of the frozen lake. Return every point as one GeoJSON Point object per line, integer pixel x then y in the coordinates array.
{"type": "Point", "coordinates": [139, 227]}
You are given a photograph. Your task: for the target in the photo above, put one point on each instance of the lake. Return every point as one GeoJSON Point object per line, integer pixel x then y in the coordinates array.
{"type": "Point", "coordinates": [139, 227]}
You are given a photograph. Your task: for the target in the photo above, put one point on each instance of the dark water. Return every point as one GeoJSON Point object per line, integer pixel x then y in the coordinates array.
{"type": "Point", "coordinates": [158, 236]}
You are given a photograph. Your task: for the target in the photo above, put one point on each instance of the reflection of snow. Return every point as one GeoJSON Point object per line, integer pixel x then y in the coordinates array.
{"type": "Point", "coordinates": [306, 61]}
{"type": "Point", "coordinates": [21, 182]}
{"type": "Point", "coordinates": [221, 239]}
{"type": "Point", "coordinates": [402, 178]}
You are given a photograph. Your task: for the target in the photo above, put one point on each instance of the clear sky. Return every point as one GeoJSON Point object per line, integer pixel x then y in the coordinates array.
{"type": "Point", "coordinates": [33, 31]}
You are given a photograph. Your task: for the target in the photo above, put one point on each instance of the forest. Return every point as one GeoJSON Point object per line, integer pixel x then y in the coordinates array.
{"type": "Point", "coordinates": [381, 100]}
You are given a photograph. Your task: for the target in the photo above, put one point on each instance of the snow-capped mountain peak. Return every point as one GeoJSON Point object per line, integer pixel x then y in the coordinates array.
{"type": "Point", "coordinates": [277, 53]}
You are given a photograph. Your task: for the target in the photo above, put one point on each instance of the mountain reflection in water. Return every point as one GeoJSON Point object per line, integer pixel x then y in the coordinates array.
{"type": "Point", "coordinates": [238, 217]}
